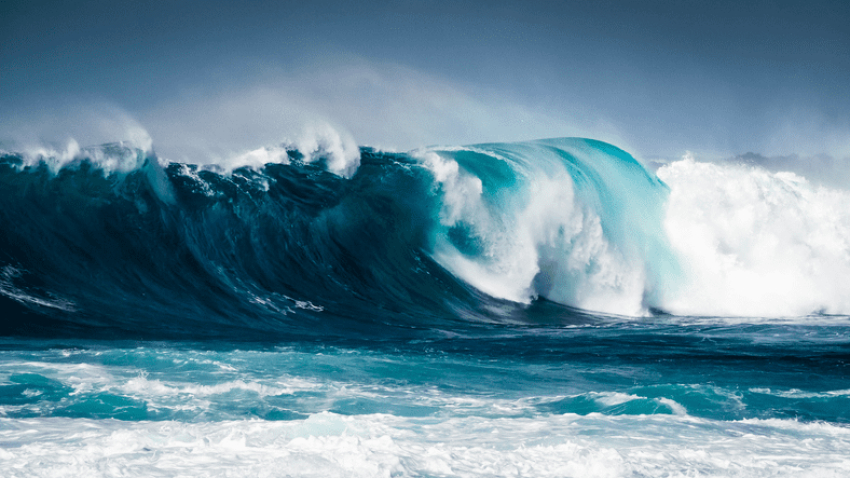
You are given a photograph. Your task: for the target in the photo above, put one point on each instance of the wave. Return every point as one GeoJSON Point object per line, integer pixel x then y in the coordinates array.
{"type": "Point", "coordinates": [315, 237]}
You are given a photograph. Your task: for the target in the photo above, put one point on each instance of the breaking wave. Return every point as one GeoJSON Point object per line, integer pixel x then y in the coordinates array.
{"type": "Point", "coordinates": [318, 237]}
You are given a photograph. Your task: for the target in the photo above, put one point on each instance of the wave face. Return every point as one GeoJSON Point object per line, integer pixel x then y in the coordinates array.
{"type": "Point", "coordinates": [114, 238]}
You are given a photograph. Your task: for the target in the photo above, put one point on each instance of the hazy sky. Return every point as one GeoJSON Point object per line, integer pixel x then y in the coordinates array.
{"type": "Point", "coordinates": [211, 77]}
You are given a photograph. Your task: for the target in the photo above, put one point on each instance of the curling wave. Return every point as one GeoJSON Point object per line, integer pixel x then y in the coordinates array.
{"type": "Point", "coordinates": [115, 237]}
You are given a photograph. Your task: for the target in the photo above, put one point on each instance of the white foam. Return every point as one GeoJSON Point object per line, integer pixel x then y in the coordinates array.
{"type": "Point", "coordinates": [610, 399]}
{"type": "Point", "coordinates": [330, 445]}
{"type": "Point", "coordinates": [257, 158]}
{"type": "Point", "coordinates": [316, 141]}
{"type": "Point", "coordinates": [124, 156]}
{"type": "Point", "coordinates": [338, 147]}
{"type": "Point", "coordinates": [55, 158]}
{"type": "Point", "coordinates": [756, 243]}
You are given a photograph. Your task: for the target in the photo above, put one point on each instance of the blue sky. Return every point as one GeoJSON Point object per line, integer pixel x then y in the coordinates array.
{"type": "Point", "coordinates": [209, 78]}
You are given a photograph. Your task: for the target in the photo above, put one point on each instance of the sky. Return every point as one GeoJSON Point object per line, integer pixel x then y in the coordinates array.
{"type": "Point", "coordinates": [205, 79]}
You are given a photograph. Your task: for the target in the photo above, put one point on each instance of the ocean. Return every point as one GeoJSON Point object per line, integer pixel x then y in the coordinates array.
{"type": "Point", "coordinates": [550, 308]}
